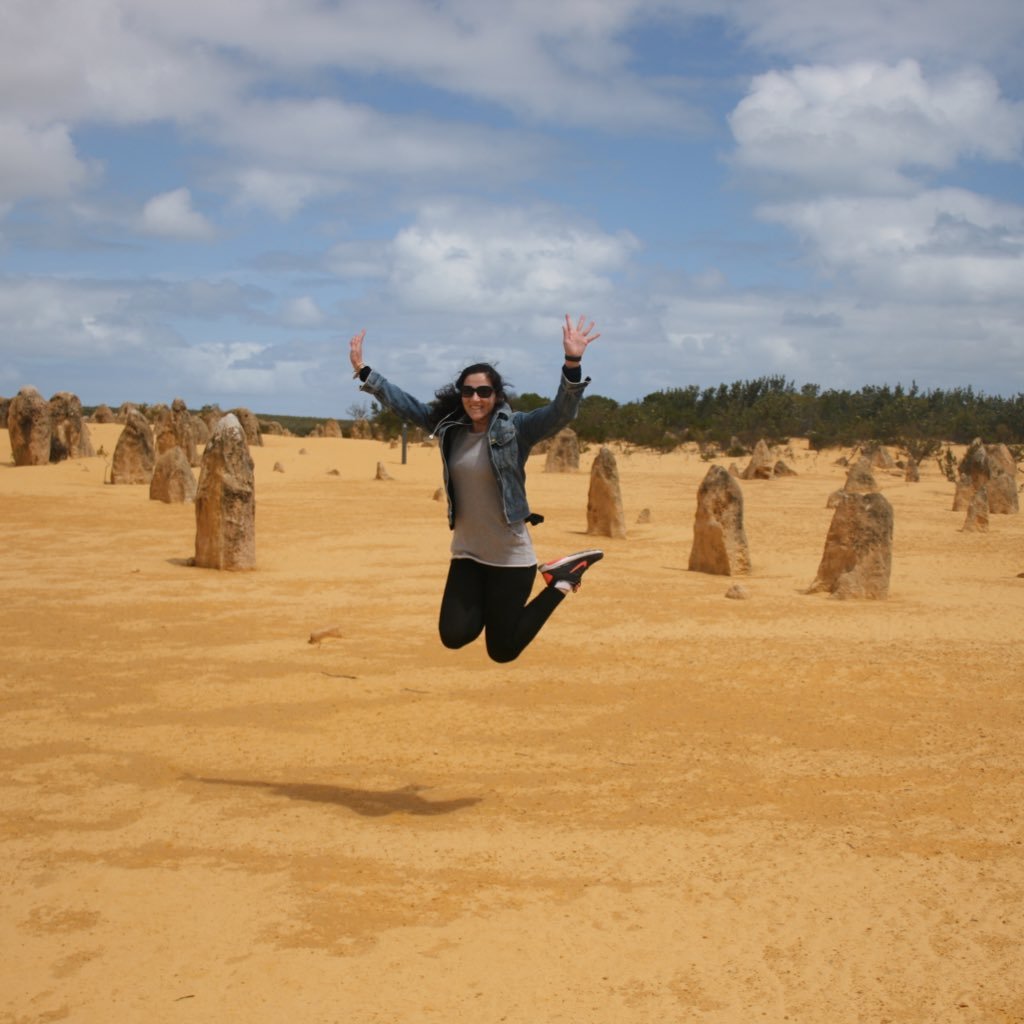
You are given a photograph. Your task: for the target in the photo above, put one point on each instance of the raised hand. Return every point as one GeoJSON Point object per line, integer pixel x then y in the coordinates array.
{"type": "Point", "coordinates": [355, 350]}
{"type": "Point", "coordinates": [576, 339]}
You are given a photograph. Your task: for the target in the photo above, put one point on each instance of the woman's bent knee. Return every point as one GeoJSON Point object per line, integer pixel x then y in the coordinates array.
{"type": "Point", "coordinates": [454, 640]}
{"type": "Point", "coordinates": [503, 653]}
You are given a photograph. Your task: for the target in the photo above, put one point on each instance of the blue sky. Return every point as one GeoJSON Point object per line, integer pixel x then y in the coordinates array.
{"type": "Point", "coordinates": [205, 200]}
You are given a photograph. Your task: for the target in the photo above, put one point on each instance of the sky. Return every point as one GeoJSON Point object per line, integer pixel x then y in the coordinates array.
{"type": "Point", "coordinates": [206, 200]}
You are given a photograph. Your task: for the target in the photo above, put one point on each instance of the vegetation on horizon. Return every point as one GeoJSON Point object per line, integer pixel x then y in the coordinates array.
{"type": "Point", "coordinates": [734, 417]}
{"type": "Point", "coordinates": [773, 408]}
{"type": "Point", "coordinates": [737, 415]}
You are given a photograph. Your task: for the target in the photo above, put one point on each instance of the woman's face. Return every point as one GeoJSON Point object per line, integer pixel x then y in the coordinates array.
{"type": "Point", "coordinates": [478, 408]}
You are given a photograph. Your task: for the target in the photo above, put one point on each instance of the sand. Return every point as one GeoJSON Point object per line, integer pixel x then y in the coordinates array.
{"type": "Point", "coordinates": [672, 807]}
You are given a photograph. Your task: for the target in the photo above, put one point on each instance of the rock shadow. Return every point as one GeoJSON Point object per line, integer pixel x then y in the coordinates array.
{"type": "Point", "coordinates": [366, 802]}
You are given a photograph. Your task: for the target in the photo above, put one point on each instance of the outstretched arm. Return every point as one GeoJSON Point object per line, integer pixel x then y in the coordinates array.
{"type": "Point", "coordinates": [373, 383]}
{"type": "Point", "coordinates": [549, 419]}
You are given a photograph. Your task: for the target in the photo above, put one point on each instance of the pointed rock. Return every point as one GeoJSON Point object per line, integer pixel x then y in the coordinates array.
{"type": "Point", "coordinates": [173, 481]}
{"type": "Point", "coordinates": [976, 520]}
{"type": "Point", "coordinates": [173, 428]}
{"type": "Point", "coordinates": [860, 479]}
{"type": "Point", "coordinates": [226, 501]}
{"type": "Point", "coordinates": [719, 539]}
{"type": "Point", "coordinates": [605, 517]}
{"type": "Point", "coordinates": [28, 423]}
{"type": "Point", "coordinates": [135, 454]}
{"type": "Point", "coordinates": [69, 432]}
{"type": "Point", "coordinates": [563, 453]}
{"type": "Point", "coordinates": [880, 457]}
{"type": "Point", "coordinates": [857, 560]}
{"type": "Point", "coordinates": [250, 427]}
{"type": "Point", "coordinates": [761, 465]}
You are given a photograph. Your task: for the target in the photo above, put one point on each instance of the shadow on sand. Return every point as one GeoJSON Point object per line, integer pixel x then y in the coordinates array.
{"type": "Point", "coordinates": [369, 803]}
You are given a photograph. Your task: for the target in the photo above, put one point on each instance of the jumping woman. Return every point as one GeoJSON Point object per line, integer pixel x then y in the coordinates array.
{"type": "Point", "coordinates": [484, 448]}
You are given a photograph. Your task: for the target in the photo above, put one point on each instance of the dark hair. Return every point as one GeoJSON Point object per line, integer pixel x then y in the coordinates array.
{"type": "Point", "coordinates": [448, 400]}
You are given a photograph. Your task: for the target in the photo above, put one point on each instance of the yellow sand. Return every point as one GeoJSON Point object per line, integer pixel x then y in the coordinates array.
{"type": "Point", "coordinates": [673, 807]}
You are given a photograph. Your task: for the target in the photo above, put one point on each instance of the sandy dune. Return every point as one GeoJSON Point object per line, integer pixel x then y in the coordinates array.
{"type": "Point", "coordinates": [673, 807]}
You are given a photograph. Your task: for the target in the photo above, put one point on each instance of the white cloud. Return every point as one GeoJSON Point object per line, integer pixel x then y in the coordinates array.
{"type": "Point", "coordinates": [832, 340]}
{"type": "Point", "coordinates": [363, 260]}
{"type": "Point", "coordinates": [294, 150]}
{"type": "Point", "coordinates": [547, 61]}
{"type": "Point", "coordinates": [63, 60]}
{"type": "Point", "coordinates": [38, 162]}
{"type": "Point", "coordinates": [460, 257]}
{"type": "Point", "coordinates": [302, 312]}
{"type": "Point", "coordinates": [939, 246]}
{"type": "Point", "coordinates": [282, 193]}
{"type": "Point", "coordinates": [172, 215]}
{"type": "Point", "coordinates": [938, 30]}
{"type": "Point", "coordinates": [868, 127]}
{"type": "Point", "coordinates": [56, 319]}
{"type": "Point", "coordinates": [239, 368]}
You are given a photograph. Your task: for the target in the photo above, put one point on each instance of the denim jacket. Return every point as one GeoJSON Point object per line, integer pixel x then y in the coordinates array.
{"type": "Point", "coordinates": [511, 435]}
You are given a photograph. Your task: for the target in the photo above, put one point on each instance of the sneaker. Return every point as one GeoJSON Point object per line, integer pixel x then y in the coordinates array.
{"type": "Point", "coordinates": [567, 573]}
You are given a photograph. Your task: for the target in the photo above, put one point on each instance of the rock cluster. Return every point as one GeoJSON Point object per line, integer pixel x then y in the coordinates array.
{"type": "Point", "coordinates": [764, 465]}
{"type": "Point", "coordinates": [42, 432]}
{"type": "Point", "coordinates": [173, 428]}
{"type": "Point", "coordinates": [990, 466]}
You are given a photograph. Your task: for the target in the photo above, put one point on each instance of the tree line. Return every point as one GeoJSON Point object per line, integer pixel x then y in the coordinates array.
{"type": "Point", "coordinates": [737, 415]}
{"type": "Point", "coordinates": [734, 417]}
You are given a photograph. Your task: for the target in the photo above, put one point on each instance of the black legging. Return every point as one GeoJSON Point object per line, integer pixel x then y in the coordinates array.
{"type": "Point", "coordinates": [478, 597]}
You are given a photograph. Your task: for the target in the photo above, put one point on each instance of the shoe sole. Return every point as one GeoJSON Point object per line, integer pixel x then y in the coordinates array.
{"type": "Point", "coordinates": [590, 557]}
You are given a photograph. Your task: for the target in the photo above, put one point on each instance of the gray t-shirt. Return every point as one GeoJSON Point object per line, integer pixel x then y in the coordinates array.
{"type": "Point", "coordinates": [481, 532]}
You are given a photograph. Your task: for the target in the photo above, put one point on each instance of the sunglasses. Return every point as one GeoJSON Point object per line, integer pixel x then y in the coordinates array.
{"type": "Point", "coordinates": [484, 391]}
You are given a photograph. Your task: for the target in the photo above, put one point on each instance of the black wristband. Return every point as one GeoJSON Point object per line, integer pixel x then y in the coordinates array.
{"type": "Point", "coordinates": [573, 359]}
{"type": "Point", "coordinates": [362, 373]}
